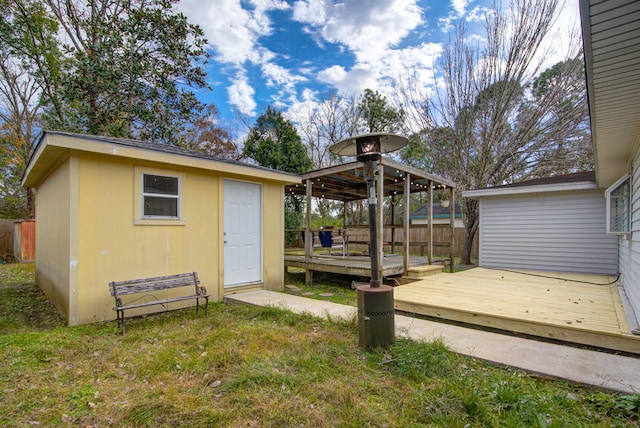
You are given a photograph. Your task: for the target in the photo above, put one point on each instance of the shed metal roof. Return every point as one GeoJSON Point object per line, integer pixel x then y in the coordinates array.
{"type": "Point", "coordinates": [54, 146]}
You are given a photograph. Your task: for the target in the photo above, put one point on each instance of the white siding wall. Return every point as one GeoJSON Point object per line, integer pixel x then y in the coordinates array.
{"type": "Point", "coordinates": [563, 232]}
{"type": "Point", "coordinates": [629, 246]}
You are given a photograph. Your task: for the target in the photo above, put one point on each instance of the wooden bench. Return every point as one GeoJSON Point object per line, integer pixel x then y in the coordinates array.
{"type": "Point", "coordinates": [151, 285]}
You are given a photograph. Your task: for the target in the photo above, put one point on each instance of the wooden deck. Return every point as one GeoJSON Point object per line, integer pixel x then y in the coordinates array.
{"type": "Point", "coordinates": [352, 265]}
{"type": "Point", "coordinates": [559, 309]}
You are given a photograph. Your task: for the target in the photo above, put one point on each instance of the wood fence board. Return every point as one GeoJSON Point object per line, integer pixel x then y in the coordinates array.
{"type": "Point", "coordinates": [28, 241]}
{"type": "Point", "coordinates": [6, 237]}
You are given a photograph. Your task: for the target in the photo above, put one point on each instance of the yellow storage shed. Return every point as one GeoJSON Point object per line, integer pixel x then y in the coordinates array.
{"type": "Point", "coordinates": [111, 209]}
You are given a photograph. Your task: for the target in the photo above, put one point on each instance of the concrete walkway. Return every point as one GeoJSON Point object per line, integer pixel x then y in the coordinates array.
{"type": "Point", "coordinates": [603, 370]}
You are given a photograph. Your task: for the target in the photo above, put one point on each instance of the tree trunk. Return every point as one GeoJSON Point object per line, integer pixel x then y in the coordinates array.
{"type": "Point", "coordinates": [470, 209]}
{"type": "Point", "coordinates": [31, 203]}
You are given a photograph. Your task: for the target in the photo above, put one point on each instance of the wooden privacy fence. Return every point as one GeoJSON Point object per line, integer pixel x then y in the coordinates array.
{"type": "Point", "coordinates": [24, 240]}
{"type": "Point", "coordinates": [419, 238]}
{"type": "Point", "coordinates": [17, 240]}
{"type": "Point", "coordinates": [6, 238]}
{"type": "Point", "coordinates": [358, 239]}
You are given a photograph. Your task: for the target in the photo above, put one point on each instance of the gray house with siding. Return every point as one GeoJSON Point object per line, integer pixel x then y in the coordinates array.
{"type": "Point", "coordinates": [552, 224]}
{"type": "Point", "coordinates": [584, 224]}
{"type": "Point", "coordinates": [611, 37]}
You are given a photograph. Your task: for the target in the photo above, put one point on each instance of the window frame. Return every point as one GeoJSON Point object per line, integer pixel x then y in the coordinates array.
{"type": "Point", "coordinates": [613, 202]}
{"type": "Point", "coordinates": [140, 218]}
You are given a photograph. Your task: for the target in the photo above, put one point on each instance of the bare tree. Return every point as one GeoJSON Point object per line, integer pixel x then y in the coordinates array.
{"type": "Point", "coordinates": [331, 120]}
{"type": "Point", "coordinates": [488, 124]}
{"type": "Point", "coordinates": [206, 134]}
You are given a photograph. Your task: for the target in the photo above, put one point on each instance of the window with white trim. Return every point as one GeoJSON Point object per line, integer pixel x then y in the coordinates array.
{"type": "Point", "coordinates": [160, 196]}
{"type": "Point", "coordinates": [618, 198]}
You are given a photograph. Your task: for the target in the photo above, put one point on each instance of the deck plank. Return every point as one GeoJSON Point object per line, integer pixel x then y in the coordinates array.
{"type": "Point", "coordinates": [578, 312]}
{"type": "Point", "coordinates": [354, 266]}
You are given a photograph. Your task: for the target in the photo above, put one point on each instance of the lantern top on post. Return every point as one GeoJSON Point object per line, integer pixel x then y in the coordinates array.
{"type": "Point", "coordinates": [369, 146]}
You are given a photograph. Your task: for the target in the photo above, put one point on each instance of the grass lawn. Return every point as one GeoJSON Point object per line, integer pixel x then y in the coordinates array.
{"type": "Point", "coordinates": [259, 367]}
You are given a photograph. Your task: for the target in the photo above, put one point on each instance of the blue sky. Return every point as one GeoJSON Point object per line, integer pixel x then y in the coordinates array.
{"type": "Point", "coordinates": [290, 53]}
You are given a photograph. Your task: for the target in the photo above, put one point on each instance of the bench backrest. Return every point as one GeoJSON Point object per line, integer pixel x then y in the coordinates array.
{"type": "Point", "coordinates": [121, 288]}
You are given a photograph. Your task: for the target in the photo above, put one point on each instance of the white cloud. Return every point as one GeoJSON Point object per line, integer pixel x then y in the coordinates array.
{"type": "Point", "coordinates": [279, 76]}
{"type": "Point", "coordinates": [313, 12]}
{"type": "Point", "coordinates": [233, 34]}
{"type": "Point", "coordinates": [416, 62]}
{"type": "Point", "coordinates": [459, 6]}
{"type": "Point", "coordinates": [371, 30]}
{"type": "Point", "coordinates": [241, 95]}
{"type": "Point", "coordinates": [446, 24]}
{"type": "Point", "coordinates": [230, 30]}
{"type": "Point", "coordinates": [367, 28]}
{"type": "Point", "coordinates": [478, 14]}
{"type": "Point", "coordinates": [335, 73]}
{"type": "Point", "coordinates": [300, 108]}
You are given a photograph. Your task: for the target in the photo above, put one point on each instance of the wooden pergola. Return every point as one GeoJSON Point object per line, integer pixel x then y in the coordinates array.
{"type": "Point", "coordinates": [345, 183]}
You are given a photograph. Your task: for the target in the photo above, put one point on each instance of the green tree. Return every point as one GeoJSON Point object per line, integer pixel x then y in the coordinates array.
{"type": "Point", "coordinates": [122, 68]}
{"type": "Point", "coordinates": [273, 142]}
{"type": "Point", "coordinates": [378, 115]}
{"type": "Point", "coordinates": [22, 86]}
{"type": "Point", "coordinates": [127, 69]}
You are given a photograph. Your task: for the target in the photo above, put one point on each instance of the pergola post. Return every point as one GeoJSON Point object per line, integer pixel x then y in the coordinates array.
{"type": "Point", "coordinates": [430, 223]}
{"type": "Point", "coordinates": [452, 241]}
{"type": "Point", "coordinates": [405, 222]}
{"type": "Point", "coordinates": [344, 226]}
{"type": "Point", "coordinates": [393, 223]}
{"type": "Point", "coordinates": [345, 183]}
{"type": "Point", "coordinates": [308, 236]}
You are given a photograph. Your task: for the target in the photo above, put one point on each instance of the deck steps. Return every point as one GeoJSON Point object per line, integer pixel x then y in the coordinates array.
{"type": "Point", "coordinates": [425, 270]}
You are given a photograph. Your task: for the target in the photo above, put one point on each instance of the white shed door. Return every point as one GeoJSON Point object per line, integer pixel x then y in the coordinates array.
{"type": "Point", "coordinates": [242, 233]}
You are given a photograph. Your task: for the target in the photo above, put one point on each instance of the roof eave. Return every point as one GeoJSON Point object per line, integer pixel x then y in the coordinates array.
{"type": "Point", "coordinates": [57, 145]}
{"type": "Point", "coordinates": [526, 190]}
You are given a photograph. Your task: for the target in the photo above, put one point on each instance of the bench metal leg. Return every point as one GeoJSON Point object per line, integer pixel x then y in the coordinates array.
{"type": "Point", "coordinates": [121, 320]}
{"type": "Point", "coordinates": [120, 312]}
{"type": "Point", "coordinates": [206, 306]}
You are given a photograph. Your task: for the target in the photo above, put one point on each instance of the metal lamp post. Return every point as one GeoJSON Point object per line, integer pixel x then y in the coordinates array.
{"type": "Point", "coordinates": [376, 325]}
